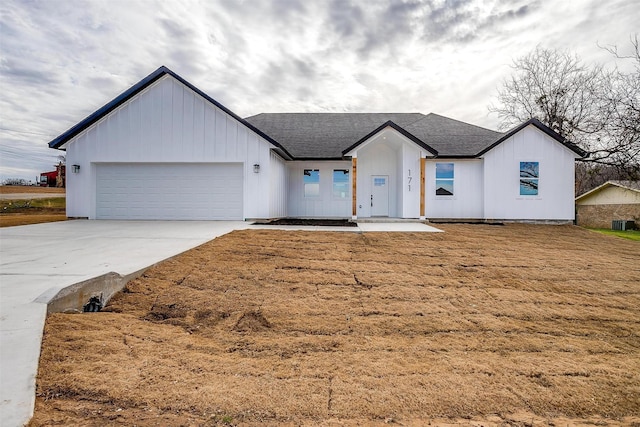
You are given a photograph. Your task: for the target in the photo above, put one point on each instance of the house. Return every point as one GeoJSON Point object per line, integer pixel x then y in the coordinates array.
{"type": "Point", "coordinates": [164, 149]}
{"type": "Point", "coordinates": [613, 200]}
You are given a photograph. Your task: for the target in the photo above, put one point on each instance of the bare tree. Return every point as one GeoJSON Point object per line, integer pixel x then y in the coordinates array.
{"type": "Point", "coordinates": [621, 116]}
{"type": "Point", "coordinates": [595, 108]}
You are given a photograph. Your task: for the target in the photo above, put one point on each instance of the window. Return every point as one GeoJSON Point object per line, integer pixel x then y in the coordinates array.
{"type": "Point", "coordinates": [341, 183]}
{"type": "Point", "coordinates": [444, 179]}
{"type": "Point", "coordinates": [311, 181]}
{"type": "Point", "coordinates": [529, 177]}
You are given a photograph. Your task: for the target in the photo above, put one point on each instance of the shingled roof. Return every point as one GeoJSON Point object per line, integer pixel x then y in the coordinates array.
{"type": "Point", "coordinates": [329, 135]}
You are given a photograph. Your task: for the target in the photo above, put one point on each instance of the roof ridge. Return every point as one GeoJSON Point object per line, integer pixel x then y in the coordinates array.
{"type": "Point", "coordinates": [465, 123]}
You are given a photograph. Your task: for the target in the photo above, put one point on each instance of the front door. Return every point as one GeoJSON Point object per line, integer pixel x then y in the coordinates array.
{"type": "Point", "coordinates": [379, 195]}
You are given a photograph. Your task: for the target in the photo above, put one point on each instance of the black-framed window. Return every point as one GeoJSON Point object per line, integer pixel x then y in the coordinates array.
{"type": "Point", "coordinates": [444, 179]}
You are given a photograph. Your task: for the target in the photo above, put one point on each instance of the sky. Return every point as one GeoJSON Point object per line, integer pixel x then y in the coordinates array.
{"type": "Point", "coordinates": [60, 60]}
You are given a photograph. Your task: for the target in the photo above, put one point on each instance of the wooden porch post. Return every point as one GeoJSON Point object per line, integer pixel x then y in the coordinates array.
{"type": "Point", "coordinates": [354, 207]}
{"type": "Point", "coordinates": [423, 184]}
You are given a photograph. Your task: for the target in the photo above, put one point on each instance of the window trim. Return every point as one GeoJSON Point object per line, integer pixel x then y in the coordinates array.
{"type": "Point", "coordinates": [304, 184]}
{"type": "Point", "coordinates": [451, 180]}
{"type": "Point", "coordinates": [537, 179]}
{"type": "Point", "coordinates": [348, 184]}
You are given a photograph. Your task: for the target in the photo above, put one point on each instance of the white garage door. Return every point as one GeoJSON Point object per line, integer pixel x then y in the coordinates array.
{"type": "Point", "coordinates": [169, 191]}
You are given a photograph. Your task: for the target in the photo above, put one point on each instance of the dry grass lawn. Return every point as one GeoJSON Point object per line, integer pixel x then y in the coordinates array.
{"type": "Point", "coordinates": [23, 189]}
{"type": "Point", "coordinates": [481, 325]}
{"type": "Point", "coordinates": [38, 211]}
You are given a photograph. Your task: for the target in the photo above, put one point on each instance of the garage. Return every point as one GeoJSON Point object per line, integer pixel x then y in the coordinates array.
{"type": "Point", "coordinates": [169, 191]}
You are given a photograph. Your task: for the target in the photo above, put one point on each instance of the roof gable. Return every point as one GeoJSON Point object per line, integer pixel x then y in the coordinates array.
{"type": "Point", "coordinates": [125, 96]}
{"type": "Point", "coordinates": [397, 128]}
{"type": "Point", "coordinates": [540, 126]}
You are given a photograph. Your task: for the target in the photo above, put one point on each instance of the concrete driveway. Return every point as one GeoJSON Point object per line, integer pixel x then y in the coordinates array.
{"type": "Point", "coordinates": [37, 261]}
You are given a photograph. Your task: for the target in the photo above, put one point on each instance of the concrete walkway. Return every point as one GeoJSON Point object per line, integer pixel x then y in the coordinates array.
{"type": "Point", "coordinates": [37, 261]}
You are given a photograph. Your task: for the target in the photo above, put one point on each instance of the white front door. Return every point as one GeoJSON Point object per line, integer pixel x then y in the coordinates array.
{"type": "Point", "coordinates": [380, 195]}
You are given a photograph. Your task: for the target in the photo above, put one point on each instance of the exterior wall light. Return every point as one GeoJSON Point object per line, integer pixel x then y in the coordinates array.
{"type": "Point", "coordinates": [75, 168]}
{"type": "Point", "coordinates": [256, 168]}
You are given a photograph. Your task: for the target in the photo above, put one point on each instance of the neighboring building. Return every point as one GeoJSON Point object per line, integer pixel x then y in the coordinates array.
{"type": "Point", "coordinates": [163, 149]}
{"type": "Point", "coordinates": [54, 178]}
{"type": "Point", "coordinates": [613, 200]}
{"type": "Point", "coordinates": [48, 179]}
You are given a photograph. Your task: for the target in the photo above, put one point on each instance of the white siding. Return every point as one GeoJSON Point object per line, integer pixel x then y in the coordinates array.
{"type": "Point", "coordinates": [279, 187]}
{"type": "Point", "coordinates": [378, 158]}
{"type": "Point", "coordinates": [167, 122]}
{"type": "Point", "coordinates": [555, 200]}
{"type": "Point", "coordinates": [324, 205]}
{"type": "Point", "coordinates": [410, 167]}
{"type": "Point", "coordinates": [466, 201]}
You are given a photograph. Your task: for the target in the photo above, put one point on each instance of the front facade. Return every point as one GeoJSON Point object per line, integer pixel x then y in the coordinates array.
{"type": "Point", "coordinates": [165, 150]}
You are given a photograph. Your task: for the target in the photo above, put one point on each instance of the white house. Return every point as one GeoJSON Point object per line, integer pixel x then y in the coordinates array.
{"type": "Point", "coordinates": [163, 149]}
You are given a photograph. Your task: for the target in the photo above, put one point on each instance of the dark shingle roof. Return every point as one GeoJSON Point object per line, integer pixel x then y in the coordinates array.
{"type": "Point", "coordinates": [330, 135]}
{"type": "Point", "coordinates": [324, 135]}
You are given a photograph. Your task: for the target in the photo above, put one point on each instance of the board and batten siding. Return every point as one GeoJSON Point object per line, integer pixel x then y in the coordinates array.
{"type": "Point", "coordinates": [555, 199]}
{"type": "Point", "coordinates": [325, 205]}
{"type": "Point", "coordinates": [466, 202]}
{"type": "Point", "coordinates": [168, 123]}
{"type": "Point", "coordinates": [278, 176]}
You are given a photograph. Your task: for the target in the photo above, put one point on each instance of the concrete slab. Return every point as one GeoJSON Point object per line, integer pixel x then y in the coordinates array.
{"type": "Point", "coordinates": [37, 261]}
{"type": "Point", "coordinates": [395, 227]}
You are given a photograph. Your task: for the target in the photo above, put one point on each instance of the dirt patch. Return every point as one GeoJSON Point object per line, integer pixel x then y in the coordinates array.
{"type": "Point", "coordinates": [514, 325]}
{"type": "Point", "coordinates": [252, 321]}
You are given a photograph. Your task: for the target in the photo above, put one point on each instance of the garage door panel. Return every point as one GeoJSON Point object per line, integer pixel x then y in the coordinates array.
{"type": "Point", "coordinates": [169, 191]}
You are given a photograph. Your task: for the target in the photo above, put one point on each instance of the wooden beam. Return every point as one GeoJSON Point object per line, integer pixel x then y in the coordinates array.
{"type": "Point", "coordinates": [423, 184]}
{"type": "Point", "coordinates": [354, 178]}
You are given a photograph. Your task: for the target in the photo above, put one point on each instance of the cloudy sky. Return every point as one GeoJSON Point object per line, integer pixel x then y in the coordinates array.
{"type": "Point", "coordinates": [60, 60]}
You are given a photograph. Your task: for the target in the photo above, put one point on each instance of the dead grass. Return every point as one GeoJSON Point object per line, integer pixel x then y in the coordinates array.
{"type": "Point", "coordinates": [515, 325]}
{"type": "Point", "coordinates": [11, 220]}
{"type": "Point", "coordinates": [21, 189]}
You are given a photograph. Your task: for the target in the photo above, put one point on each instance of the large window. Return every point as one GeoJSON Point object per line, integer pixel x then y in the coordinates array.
{"type": "Point", "coordinates": [311, 180]}
{"type": "Point", "coordinates": [341, 183]}
{"type": "Point", "coordinates": [444, 179]}
{"type": "Point", "coordinates": [529, 178]}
